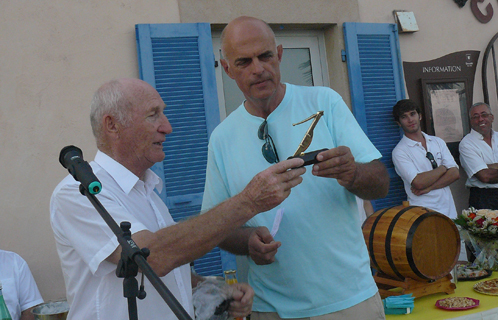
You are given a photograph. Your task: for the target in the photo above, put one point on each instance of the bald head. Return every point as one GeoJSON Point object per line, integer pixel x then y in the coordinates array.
{"type": "Point", "coordinates": [252, 58]}
{"type": "Point", "coordinates": [242, 26]}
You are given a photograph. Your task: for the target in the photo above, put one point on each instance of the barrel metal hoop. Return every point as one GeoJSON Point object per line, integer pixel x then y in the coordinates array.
{"type": "Point", "coordinates": [388, 240]}
{"type": "Point", "coordinates": [370, 239]}
{"type": "Point", "coordinates": [409, 243]}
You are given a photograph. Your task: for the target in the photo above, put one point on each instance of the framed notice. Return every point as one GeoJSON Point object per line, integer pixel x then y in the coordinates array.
{"type": "Point", "coordinates": [445, 106]}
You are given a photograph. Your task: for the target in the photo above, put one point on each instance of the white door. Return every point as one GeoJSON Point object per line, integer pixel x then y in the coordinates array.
{"type": "Point", "coordinates": [303, 63]}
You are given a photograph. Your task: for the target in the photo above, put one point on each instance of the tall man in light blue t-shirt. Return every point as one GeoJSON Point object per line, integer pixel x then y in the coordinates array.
{"type": "Point", "coordinates": [316, 263]}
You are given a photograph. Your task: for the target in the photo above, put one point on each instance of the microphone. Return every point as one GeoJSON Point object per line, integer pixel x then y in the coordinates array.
{"type": "Point", "coordinates": [71, 158]}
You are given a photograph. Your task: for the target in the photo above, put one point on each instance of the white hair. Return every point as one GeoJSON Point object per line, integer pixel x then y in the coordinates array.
{"type": "Point", "coordinates": [477, 104]}
{"type": "Point", "coordinates": [109, 99]}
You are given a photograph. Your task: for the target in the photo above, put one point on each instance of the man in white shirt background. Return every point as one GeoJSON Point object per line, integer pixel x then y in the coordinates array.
{"type": "Point", "coordinates": [479, 158]}
{"type": "Point", "coordinates": [423, 162]}
{"type": "Point", "coordinates": [19, 288]}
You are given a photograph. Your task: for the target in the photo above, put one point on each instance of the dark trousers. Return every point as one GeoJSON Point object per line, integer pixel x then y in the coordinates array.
{"type": "Point", "coordinates": [484, 198]}
{"type": "Point", "coordinates": [481, 198]}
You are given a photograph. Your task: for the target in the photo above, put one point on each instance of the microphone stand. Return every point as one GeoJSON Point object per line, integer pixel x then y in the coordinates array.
{"type": "Point", "coordinates": [132, 258]}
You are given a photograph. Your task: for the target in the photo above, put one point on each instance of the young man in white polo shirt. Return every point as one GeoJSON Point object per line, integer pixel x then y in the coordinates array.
{"type": "Point", "coordinates": [423, 162]}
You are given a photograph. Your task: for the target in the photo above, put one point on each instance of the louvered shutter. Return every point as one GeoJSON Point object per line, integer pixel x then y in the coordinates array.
{"type": "Point", "coordinates": [375, 81]}
{"type": "Point", "coordinates": [178, 60]}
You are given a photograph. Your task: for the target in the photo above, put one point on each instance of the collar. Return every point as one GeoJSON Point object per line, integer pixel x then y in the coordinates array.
{"type": "Point", "coordinates": [412, 143]}
{"type": "Point", "coordinates": [124, 177]}
{"type": "Point", "coordinates": [479, 136]}
{"type": "Point", "coordinates": [278, 110]}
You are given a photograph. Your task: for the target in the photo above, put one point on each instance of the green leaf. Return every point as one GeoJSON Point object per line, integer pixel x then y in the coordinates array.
{"type": "Point", "coordinates": [461, 221]}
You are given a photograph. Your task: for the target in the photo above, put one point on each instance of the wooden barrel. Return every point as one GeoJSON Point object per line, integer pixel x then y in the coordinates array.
{"type": "Point", "coordinates": [412, 241]}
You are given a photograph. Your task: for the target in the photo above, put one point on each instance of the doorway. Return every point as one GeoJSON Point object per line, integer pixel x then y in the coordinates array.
{"type": "Point", "coordinates": [303, 63]}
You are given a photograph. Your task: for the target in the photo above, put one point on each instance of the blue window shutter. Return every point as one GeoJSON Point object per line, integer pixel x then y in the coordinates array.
{"type": "Point", "coordinates": [376, 84]}
{"type": "Point", "coordinates": [178, 60]}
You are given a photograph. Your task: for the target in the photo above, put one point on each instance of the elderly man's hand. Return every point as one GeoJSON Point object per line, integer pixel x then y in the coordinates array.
{"type": "Point", "coordinates": [262, 247]}
{"type": "Point", "coordinates": [273, 185]}
{"type": "Point", "coordinates": [241, 304]}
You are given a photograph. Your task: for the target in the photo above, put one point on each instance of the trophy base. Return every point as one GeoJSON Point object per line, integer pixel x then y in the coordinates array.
{"type": "Point", "coordinates": [309, 157]}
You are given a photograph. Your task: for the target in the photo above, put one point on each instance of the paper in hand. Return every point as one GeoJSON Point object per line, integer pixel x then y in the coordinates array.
{"type": "Point", "coordinates": [276, 222]}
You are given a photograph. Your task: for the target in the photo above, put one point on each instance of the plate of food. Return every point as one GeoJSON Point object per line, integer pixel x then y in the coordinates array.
{"type": "Point", "coordinates": [457, 303]}
{"type": "Point", "coordinates": [467, 272]}
{"type": "Point", "coordinates": [487, 287]}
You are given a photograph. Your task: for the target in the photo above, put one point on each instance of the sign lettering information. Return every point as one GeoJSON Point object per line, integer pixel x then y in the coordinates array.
{"type": "Point", "coordinates": [441, 69]}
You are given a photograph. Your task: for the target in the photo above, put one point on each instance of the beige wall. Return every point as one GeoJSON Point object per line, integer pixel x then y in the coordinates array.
{"type": "Point", "coordinates": [54, 54]}
{"type": "Point", "coordinates": [276, 11]}
{"type": "Point", "coordinates": [297, 14]}
{"type": "Point", "coordinates": [444, 28]}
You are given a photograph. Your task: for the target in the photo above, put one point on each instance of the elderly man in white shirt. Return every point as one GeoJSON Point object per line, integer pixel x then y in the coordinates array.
{"type": "Point", "coordinates": [423, 162]}
{"type": "Point", "coordinates": [479, 158]}
{"type": "Point", "coordinates": [130, 127]}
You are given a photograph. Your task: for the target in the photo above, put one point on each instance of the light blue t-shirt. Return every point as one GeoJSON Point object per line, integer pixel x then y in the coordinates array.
{"type": "Point", "coordinates": [323, 264]}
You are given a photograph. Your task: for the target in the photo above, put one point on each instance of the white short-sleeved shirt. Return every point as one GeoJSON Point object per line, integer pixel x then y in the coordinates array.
{"type": "Point", "coordinates": [323, 264]}
{"type": "Point", "coordinates": [84, 241]}
{"type": "Point", "coordinates": [18, 285]}
{"type": "Point", "coordinates": [475, 155]}
{"type": "Point", "coordinates": [409, 158]}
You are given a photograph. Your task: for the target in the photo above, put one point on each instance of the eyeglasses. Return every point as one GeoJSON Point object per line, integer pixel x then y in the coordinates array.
{"type": "Point", "coordinates": [269, 151]}
{"type": "Point", "coordinates": [483, 115]}
{"type": "Point", "coordinates": [432, 160]}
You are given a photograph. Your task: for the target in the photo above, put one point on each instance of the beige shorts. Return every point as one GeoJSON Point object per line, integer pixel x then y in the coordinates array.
{"type": "Point", "coordinates": [370, 309]}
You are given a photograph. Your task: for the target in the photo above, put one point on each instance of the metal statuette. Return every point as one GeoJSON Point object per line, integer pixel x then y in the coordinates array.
{"type": "Point", "coordinates": [309, 157]}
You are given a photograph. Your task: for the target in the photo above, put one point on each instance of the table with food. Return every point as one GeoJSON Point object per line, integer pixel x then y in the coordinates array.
{"type": "Point", "coordinates": [414, 251]}
{"type": "Point", "coordinates": [472, 299]}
